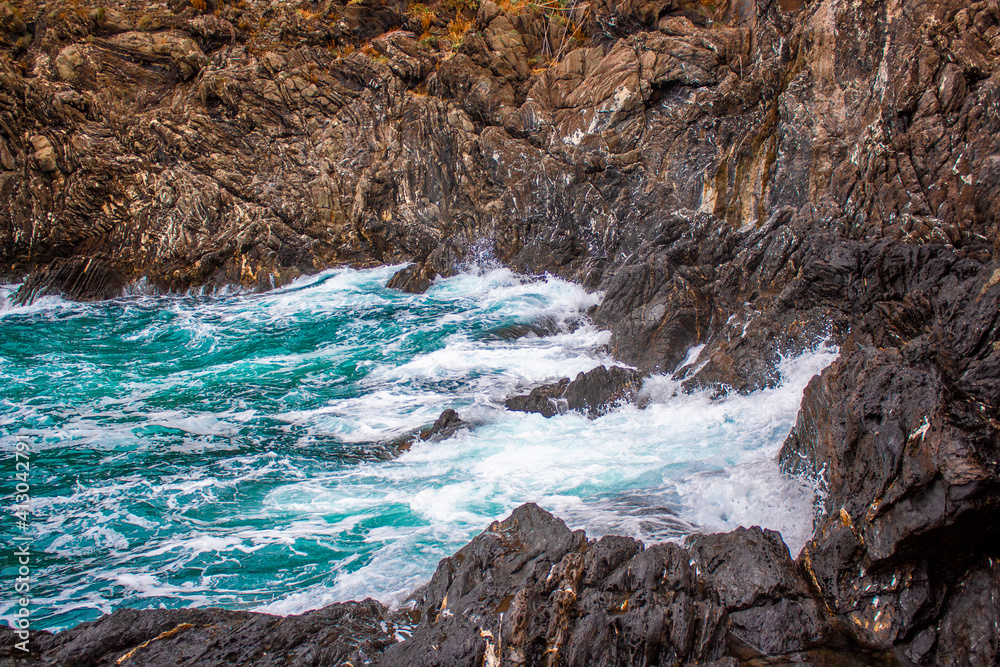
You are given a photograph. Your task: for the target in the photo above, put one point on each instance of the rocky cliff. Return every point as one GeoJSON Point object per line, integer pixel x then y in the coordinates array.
{"type": "Point", "coordinates": [751, 175]}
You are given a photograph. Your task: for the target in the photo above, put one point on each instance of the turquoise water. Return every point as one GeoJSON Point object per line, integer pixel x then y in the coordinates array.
{"type": "Point", "coordinates": [234, 449]}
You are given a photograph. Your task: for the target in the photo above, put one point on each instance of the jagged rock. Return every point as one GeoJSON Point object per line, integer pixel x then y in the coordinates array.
{"type": "Point", "coordinates": [183, 51]}
{"type": "Point", "coordinates": [368, 18]}
{"type": "Point", "coordinates": [444, 427]}
{"type": "Point", "coordinates": [45, 154]}
{"type": "Point", "coordinates": [10, 22]}
{"type": "Point", "coordinates": [908, 502]}
{"type": "Point", "coordinates": [593, 392]}
{"type": "Point", "coordinates": [595, 602]}
{"type": "Point", "coordinates": [544, 399]}
{"type": "Point", "coordinates": [599, 390]}
{"type": "Point", "coordinates": [415, 279]}
{"type": "Point", "coordinates": [754, 177]}
{"type": "Point", "coordinates": [355, 632]}
{"type": "Point", "coordinates": [407, 58]}
{"type": "Point", "coordinates": [77, 278]}
{"type": "Point", "coordinates": [69, 62]}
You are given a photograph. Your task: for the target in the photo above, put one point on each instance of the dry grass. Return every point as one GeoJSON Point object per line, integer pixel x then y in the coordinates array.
{"type": "Point", "coordinates": [460, 6]}
{"type": "Point", "coordinates": [458, 27]}
{"type": "Point", "coordinates": [424, 13]}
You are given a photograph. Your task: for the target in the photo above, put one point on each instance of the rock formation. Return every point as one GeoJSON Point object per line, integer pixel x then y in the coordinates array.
{"type": "Point", "coordinates": [751, 175]}
{"type": "Point", "coordinates": [594, 393]}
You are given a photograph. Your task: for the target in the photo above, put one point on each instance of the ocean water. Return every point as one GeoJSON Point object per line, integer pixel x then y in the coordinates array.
{"type": "Point", "coordinates": [234, 449]}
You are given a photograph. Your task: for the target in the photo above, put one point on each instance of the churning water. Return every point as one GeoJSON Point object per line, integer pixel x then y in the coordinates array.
{"type": "Point", "coordinates": [232, 449]}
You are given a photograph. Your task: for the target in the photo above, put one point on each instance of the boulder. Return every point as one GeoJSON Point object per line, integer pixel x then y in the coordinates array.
{"type": "Point", "coordinates": [414, 279]}
{"type": "Point", "coordinates": [593, 393]}
{"type": "Point", "coordinates": [175, 46]}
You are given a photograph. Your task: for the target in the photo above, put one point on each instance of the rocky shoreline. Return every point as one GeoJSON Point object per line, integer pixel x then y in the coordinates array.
{"type": "Point", "coordinates": [754, 176]}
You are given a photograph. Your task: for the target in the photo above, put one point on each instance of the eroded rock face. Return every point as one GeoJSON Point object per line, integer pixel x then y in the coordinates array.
{"type": "Point", "coordinates": [901, 426]}
{"type": "Point", "coordinates": [593, 393]}
{"type": "Point", "coordinates": [355, 632]}
{"type": "Point", "coordinates": [527, 591]}
{"type": "Point", "coordinates": [756, 177]}
{"type": "Point", "coordinates": [415, 279]}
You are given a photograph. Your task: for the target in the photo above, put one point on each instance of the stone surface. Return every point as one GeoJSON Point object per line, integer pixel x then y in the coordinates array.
{"type": "Point", "coordinates": [415, 279]}
{"type": "Point", "coordinates": [444, 427]}
{"type": "Point", "coordinates": [752, 176]}
{"type": "Point", "coordinates": [354, 632]}
{"type": "Point", "coordinates": [593, 393]}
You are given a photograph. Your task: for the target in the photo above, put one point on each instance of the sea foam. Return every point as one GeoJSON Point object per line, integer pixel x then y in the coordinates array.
{"type": "Point", "coordinates": [231, 449]}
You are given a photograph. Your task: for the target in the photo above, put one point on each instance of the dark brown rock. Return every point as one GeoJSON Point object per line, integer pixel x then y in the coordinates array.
{"type": "Point", "coordinates": [755, 177]}
{"type": "Point", "coordinates": [415, 279]}
{"type": "Point", "coordinates": [355, 632]}
{"type": "Point", "coordinates": [593, 393]}
{"type": "Point", "coordinates": [444, 427]}
{"type": "Point", "coordinates": [90, 279]}
{"type": "Point", "coordinates": [597, 602]}
{"type": "Point", "coordinates": [544, 399]}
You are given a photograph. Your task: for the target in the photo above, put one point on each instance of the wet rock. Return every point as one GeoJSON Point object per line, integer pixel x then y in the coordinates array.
{"type": "Point", "coordinates": [529, 587]}
{"type": "Point", "coordinates": [355, 632]}
{"type": "Point", "coordinates": [544, 400]}
{"type": "Point", "coordinates": [415, 279]}
{"type": "Point", "coordinates": [444, 427]}
{"type": "Point", "coordinates": [593, 601]}
{"type": "Point", "coordinates": [515, 331]}
{"type": "Point", "coordinates": [594, 393]}
{"type": "Point", "coordinates": [752, 177]}
{"type": "Point", "coordinates": [541, 327]}
{"type": "Point", "coordinates": [92, 279]}
{"type": "Point", "coordinates": [601, 389]}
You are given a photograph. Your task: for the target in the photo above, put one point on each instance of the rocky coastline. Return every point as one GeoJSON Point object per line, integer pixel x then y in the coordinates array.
{"type": "Point", "coordinates": [751, 176]}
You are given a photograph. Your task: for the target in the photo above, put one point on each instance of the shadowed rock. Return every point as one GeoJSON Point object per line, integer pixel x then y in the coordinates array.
{"type": "Point", "coordinates": [82, 279]}
{"type": "Point", "coordinates": [415, 279]}
{"type": "Point", "coordinates": [752, 176]}
{"type": "Point", "coordinates": [445, 426]}
{"type": "Point", "coordinates": [594, 393]}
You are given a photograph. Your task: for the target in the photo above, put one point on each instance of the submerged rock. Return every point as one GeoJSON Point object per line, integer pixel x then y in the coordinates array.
{"type": "Point", "coordinates": [541, 327]}
{"type": "Point", "coordinates": [445, 426]}
{"type": "Point", "coordinates": [594, 393]}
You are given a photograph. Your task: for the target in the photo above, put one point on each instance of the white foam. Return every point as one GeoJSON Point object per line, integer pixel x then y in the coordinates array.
{"type": "Point", "coordinates": [288, 473]}
{"type": "Point", "coordinates": [49, 305]}
{"type": "Point", "coordinates": [692, 356]}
